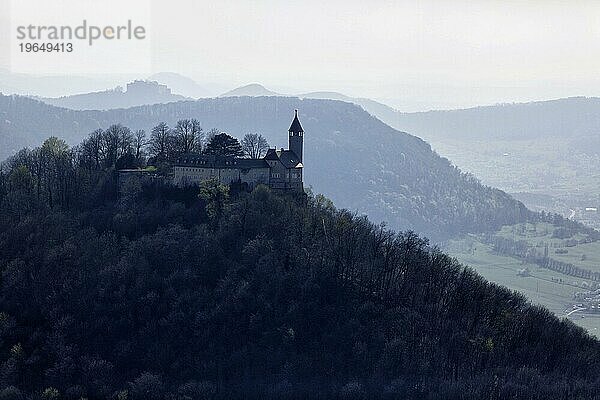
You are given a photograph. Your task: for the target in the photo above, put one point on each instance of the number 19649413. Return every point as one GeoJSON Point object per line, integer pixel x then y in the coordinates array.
{"type": "Point", "coordinates": [46, 47]}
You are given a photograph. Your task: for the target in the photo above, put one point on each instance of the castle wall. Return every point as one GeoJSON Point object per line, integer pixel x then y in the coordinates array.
{"type": "Point", "coordinates": [278, 179]}
{"type": "Point", "coordinates": [295, 180]}
{"type": "Point", "coordinates": [185, 175]}
{"type": "Point", "coordinates": [255, 176]}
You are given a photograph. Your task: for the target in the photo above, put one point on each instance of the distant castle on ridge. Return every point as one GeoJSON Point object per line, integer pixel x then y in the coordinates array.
{"type": "Point", "coordinates": [278, 169]}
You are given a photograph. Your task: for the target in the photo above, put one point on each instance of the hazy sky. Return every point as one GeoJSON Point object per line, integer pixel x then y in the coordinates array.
{"type": "Point", "coordinates": [414, 55]}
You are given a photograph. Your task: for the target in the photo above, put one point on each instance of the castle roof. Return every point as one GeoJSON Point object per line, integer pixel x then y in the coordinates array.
{"type": "Point", "coordinates": [296, 127]}
{"type": "Point", "coordinates": [245, 163]}
{"type": "Point", "coordinates": [220, 162]}
{"type": "Point", "coordinates": [271, 155]}
{"type": "Point", "coordinates": [289, 159]}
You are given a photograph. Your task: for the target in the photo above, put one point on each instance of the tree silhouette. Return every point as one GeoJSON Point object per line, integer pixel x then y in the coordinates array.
{"type": "Point", "coordinates": [161, 142]}
{"type": "Point", "coordinates": [139, 141]}
{"type": "Point", "coordinates": [188, 135]}
{"type": "Point", "coordinates": [254, 145]}
{"type": "Point", "coordinates": [224, 145]}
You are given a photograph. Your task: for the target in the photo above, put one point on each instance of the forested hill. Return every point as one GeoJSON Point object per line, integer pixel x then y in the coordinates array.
{"type": "Point", "coordinates": [569, 118]}
{"type": "Point", "coordinates": [113, 98]}
{"type": "Point", "coordinates": [352, 157]}
{"type": "Point", "coordinates": [161, 293]}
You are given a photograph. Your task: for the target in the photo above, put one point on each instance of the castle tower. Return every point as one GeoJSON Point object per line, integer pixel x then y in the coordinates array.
{"type": "Point", "coordinates": [296, 137]}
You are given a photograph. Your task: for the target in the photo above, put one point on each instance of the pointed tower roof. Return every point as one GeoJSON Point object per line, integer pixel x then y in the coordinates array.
{"type": "Point", "coordinates": [271, 155]}
{"type": "Point", "coordinates": [296, 127]}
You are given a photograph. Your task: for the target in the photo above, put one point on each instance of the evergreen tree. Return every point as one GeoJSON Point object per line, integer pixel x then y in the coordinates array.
{"type": "Point", "coordinates": [224, 145]}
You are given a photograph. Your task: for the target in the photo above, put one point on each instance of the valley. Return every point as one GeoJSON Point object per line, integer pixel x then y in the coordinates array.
{"type": "Point", "coordinates": [545, 153]}
{"type": "Point", "coordinates": [550, 175]}
{"type": "Point", "coordinates": [566, 293]}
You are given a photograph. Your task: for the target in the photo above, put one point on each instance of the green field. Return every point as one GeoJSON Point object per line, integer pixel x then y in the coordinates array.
{"type": "Point", "coordinates": [549, 288]}
{"type": "Point", "coordinates": [586, 255]}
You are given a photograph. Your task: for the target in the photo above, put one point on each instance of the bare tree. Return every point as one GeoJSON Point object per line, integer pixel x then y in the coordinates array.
{"type": "Point", "coordinates": [188, 133]}
{"type": "Point", "coordinates": [117, 141]}
{"type": "Point", "coordinates": [139, 141]}
{"type": "Point", "coordinates": [160, 141]}
{"type": "Point", "coordinates": [126, 140]}
{"type": "Point", "coordinates": [110, 145]}
{"type": "Point", "coordinates": [254, 145]}
{"type": "Point", "coordinates": [91, 150]}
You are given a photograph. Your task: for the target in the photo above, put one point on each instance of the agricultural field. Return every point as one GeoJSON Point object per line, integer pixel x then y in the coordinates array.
{"type": "Point", "coordinates": [554, 290]}
{"type": "Point", "coordinates": [583, 255]}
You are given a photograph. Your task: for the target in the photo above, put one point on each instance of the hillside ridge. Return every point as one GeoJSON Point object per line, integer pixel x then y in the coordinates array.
{"type": "Point", "coordinates": [352, 157]}
{"type": "Point", "coordinates": [151, 295]}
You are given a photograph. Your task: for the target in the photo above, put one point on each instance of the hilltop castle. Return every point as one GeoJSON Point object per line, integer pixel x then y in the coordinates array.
{"type": "Point", "coordinates": [278, 169]}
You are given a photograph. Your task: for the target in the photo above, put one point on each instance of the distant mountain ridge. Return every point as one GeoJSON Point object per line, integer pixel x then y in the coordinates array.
{"type": "Point", "coordinates": [137, 93]}
{"type": "Point", "coordinates": [567, 118]}
{"type": "Point", "coordinates": [186, 86]}
{"type": "Point", "coordinates": [253, 89]}
{"type": "Point", "coordinates": [350, 156]}
{"type": "Point", "coordinates": [375, 108]}
{"type": "Point", "coordinates": [573, 116]}
{"type": "Point", "coordinates": [380, 110]}
{"type": "Point", "coordinates": [54, 85]}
